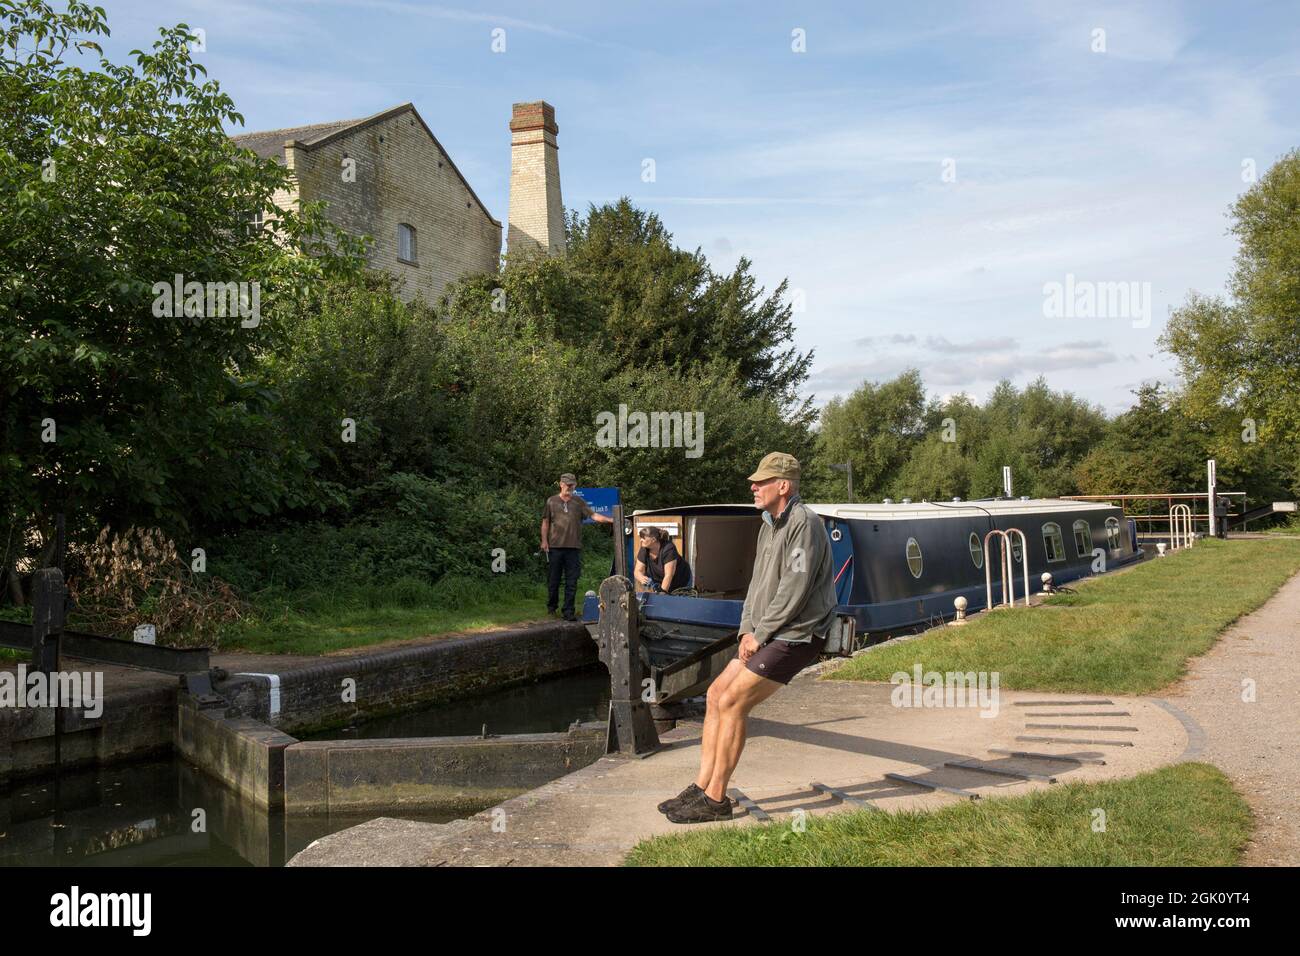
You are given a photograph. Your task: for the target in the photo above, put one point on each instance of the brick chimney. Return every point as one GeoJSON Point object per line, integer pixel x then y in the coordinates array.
{"type": "Point", "coordinates": [536, 211]}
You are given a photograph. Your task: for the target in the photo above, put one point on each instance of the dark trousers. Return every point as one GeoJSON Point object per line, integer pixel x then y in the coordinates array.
{"type": "Point", "coordinates": [566, 562]}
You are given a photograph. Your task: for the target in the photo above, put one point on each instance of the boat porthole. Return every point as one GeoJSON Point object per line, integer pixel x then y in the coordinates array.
{"type": "Point", "coordinates": [976, 550]}
{"type": "Point", "coordinates": [835, 534]}
{"type": "Point", "coordinates": [914, 562]}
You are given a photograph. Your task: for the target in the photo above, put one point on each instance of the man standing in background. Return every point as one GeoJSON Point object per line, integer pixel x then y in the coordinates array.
{"type": "Point", "coordinates": [562, 541]}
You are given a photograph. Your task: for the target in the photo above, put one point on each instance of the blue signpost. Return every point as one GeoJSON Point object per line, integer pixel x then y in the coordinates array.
{"type": "Point", "coordinates": [601, 500]}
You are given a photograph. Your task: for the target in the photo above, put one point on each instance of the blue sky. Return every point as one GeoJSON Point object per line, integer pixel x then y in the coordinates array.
{"type": "Point", "coordinates": [830, 166]}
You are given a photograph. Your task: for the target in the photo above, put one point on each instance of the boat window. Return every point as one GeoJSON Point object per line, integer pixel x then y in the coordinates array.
{"type": "Point", "coordinates": [1015, 547]}
{"type": "Point", "coordinates": [914, 557]}
{"type": "Point", "coordinates": [976, 550]}
{"type": "Point", "coordinates": [1082, 538]}
{"type": "Point", "coordinates": [1112, 533]}
{"type": "Point", "coordinates": [1053, 543]}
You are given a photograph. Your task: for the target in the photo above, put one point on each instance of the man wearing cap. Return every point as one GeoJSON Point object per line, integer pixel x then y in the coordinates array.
{"type": "Point", "coordinates": [789, 610]}
{"type": "Point", "coordinates": [562, 541]}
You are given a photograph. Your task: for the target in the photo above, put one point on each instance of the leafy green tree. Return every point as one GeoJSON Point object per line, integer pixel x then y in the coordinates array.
{"type": "Point", "coordinates": [935, 471]}
{"type": "Point", "coordinates": [876, 428]}
{"type": "Point", "coordinates": [662, 305]}
{"type": "Point", "coordinates": [115, 179]}
{"type": "Point", "coordinates": [1238, 355]}
{"type": "Point", "coordinates": [729, 432]}
{"type": "Point", "coordinates": [1151, 448]}
{"type": "Point", "coordinates": [1040, 433]}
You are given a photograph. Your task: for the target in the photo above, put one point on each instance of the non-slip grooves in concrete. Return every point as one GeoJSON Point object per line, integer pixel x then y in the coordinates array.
{"type": "Point", "coordinates": [1075, 740]}
{"type": "Point", "coordinates": [1060, 703]}
{"type": "Point", "coordinates": [1079, 727]}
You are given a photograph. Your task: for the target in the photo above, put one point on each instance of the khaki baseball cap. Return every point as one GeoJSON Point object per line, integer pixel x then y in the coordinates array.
{"type": "Point", "coordinates": [568, 479]}
{"type": "Point", "coordinates": [777, 465]}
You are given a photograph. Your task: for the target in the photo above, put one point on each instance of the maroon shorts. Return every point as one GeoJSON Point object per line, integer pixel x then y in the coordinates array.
{"type": "Point", "coordinates": [781, 660]}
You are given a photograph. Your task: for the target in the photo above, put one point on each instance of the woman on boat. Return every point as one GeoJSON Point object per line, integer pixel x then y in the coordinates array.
{"type": "Point", "coordinates": [658, 565]}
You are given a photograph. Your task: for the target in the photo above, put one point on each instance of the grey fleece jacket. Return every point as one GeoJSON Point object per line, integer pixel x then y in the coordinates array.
{"type": "Point", "coordinates": [792, 592]}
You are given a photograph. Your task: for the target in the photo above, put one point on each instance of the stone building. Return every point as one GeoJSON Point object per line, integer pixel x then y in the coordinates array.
{"type": "Point", "coordinates": [387, 176]}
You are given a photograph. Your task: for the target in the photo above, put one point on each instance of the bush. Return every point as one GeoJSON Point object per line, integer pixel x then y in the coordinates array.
{"type": "Point", "coordinates": [136, 577]}
{"type": "Point", "coordinates": [404, 527]}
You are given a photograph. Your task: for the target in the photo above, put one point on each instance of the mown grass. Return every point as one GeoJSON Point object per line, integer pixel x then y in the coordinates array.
{"type": "Point", "coordinates": [318, 622]}
{"type": "Point", "coordinates": [325, 619]}
{"type": "Point", "coordinates": [1182, 815]}
{"type": "Point", "coordinates": [1129, 633]}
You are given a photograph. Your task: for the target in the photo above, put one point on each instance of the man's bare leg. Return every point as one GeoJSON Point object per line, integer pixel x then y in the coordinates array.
{"type": "Point", "coordinates": [709, 736]}
{"type": "Point", "coordinates": [742, 694]}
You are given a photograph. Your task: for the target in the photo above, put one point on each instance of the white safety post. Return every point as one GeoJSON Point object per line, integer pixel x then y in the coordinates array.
{"type": "Point", "coordinates": [1209, 473]}
{"type": "Point", "coordinates": [1180, 527]}
{"type": "Point", "coordinates": [1024, 562]}
{"type": "Point", "coordinates": [988, 568]}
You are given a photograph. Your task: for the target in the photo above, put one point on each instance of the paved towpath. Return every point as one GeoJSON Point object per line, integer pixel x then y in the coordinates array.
{"type": "Point", "coordinates": [1256, 742]}
{"type": "Point", "coordinates": [844, 734]}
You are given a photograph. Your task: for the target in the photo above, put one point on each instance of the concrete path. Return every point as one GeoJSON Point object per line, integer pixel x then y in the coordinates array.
{"type": "Point", "coordinates": [847, 735]}
{"type": "Point", "coordinates": [1255, 742]}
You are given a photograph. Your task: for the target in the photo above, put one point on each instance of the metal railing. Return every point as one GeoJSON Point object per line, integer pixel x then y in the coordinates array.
{"type": "Point", "coordinates": [1008, 572]}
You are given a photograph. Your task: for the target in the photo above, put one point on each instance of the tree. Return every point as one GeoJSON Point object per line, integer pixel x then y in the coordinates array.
{"type": "Point", "coordinates": [1237, 356]}
{"type": "Point", "coordinates": [662, 305]}
{"type": "Point", "coordinates": [1040, 433]}
{"type": "Point", "coordinates": [1151, 448]}
{"type": "Point", "coordinates": [118, 404]}
{"type": "Point", "coordinates": [876, 428]}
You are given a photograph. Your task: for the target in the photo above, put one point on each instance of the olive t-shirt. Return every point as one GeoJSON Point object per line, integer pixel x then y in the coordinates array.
{"type": "Point", "coordinates": [566, 520]}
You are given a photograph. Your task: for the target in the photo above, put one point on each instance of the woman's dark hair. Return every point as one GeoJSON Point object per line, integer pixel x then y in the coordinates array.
{"type": "Point", "coordinates": [659, 534]}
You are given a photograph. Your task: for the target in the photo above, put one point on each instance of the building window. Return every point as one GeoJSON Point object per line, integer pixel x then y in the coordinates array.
{"type": "Point", "coordinates": [1082, 538]}
{"type": "Point", "coordinates": [256, 222]}
{"type": "Point", "coordinates": [976, 550]}
{"type": "Point", "coordinates": [1053, 543]}
{"type": "Point", "coordinates": [914, 557]}
{"type": "Point", "coordinates": [406, 250]}
{"type": "Point", "coordinates": [1112, 533]}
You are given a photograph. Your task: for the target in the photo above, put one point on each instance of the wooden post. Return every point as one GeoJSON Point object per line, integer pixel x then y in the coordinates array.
{"type": "Point", "coordinates": [620, 546]}
{"type": "Point", "coordinates": [631, 726]}
{"type": "Point", "coordinates": [49, 604]}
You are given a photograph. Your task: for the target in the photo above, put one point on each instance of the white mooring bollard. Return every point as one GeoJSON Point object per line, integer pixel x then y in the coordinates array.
{"type": "Point", "coordinates": [960, 603]}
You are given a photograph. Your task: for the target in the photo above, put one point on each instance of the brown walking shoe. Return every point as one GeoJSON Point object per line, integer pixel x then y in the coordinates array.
{"type": "Point", "coordinates": [701, 809]}
{"type": "Point", "coordinates": [672, 803]}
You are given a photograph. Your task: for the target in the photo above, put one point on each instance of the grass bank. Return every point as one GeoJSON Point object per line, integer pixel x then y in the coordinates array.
{"type": "Point", "coordinates": [1146, 824]}
{"type": "Point", "coordinates": [322, 619]}
{"type": "Point", "coordinates": [1129, 633]}
{"type": "Point", "coordinates": [319, 622]}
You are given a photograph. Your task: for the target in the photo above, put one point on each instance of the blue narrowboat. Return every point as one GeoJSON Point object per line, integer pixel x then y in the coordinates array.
{"type": "Point", "coordinates": [898, 566]}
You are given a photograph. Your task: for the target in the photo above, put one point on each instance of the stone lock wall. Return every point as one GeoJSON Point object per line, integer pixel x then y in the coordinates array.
{"type": "Point", "coordinates": [309, 699]}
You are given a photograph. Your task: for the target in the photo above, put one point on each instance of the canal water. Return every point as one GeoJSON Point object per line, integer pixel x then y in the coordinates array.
{"type": "Point", "coordinates": [165, 812]}
{"type": "Point", "coordinates": [545, 707]}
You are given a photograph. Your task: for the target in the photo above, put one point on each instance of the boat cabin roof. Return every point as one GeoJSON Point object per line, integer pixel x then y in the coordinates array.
{"type": "Point", "coordinates": [880, 511]}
